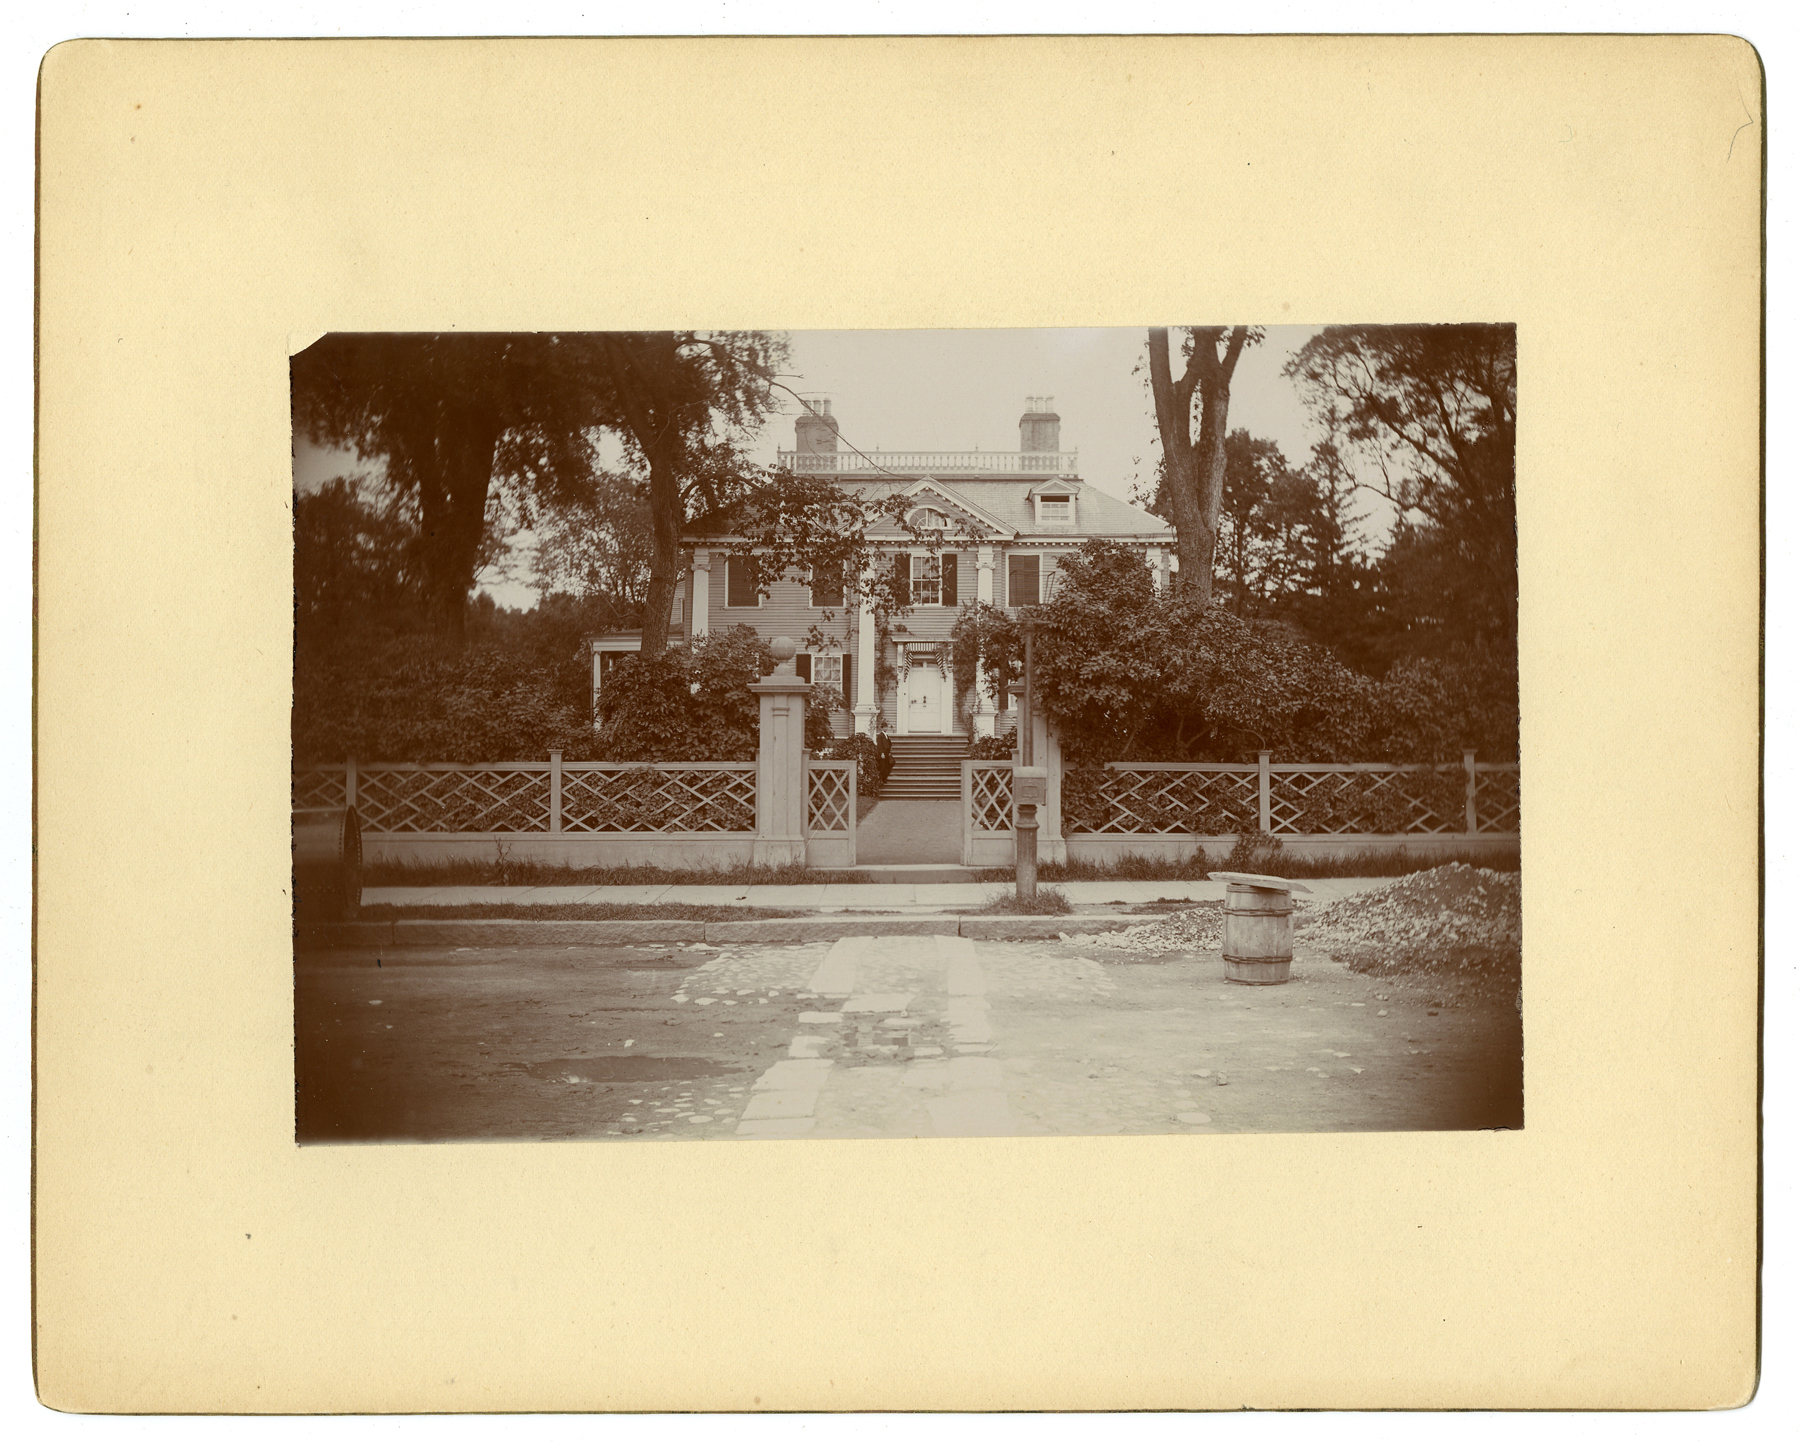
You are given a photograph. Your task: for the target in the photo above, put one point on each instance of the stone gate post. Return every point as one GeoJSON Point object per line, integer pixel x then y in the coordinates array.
{"type": "Point", "coordinates": [781, 763]}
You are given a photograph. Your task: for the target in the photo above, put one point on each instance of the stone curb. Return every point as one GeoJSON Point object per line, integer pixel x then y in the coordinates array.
{"type": "Point", "coordinates": [1035, 928]}
{"type": "Point", "coordinates": [828, 928]}
{"type": "Point", "coordinates": [352, 935]}
{"type": "Point", "coordinates": [544, 933]}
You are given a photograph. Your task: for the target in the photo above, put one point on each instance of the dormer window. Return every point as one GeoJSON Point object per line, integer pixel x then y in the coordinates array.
{"type": "Point", "coordinates": [1055, 505]}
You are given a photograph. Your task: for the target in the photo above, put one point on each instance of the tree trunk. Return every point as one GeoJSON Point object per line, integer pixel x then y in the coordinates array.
{"type": "Point", "coordinates": [1194, 467]}
{"type": "Point", "coordinates": [665, 531]}
{"type": "Point", "coordinates": [646, 367]}
{"type": "Point", "coordinates": [453, 469]}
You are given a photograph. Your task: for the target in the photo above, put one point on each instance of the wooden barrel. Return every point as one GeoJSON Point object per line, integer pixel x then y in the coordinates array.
{"type": "Point", "coordinates": [327, 864]}
{"type": "Point", "coordinates": [1259, 935]}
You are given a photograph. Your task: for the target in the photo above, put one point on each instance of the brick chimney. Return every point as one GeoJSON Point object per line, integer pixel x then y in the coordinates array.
{"type": "Point", "coordinates": [816, 429]}
{"type": "Point", "coordinates": [1040, 427]}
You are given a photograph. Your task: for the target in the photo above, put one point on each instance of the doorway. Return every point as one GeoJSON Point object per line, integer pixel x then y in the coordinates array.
{"type": "Point", "coordinates": [924, 697]}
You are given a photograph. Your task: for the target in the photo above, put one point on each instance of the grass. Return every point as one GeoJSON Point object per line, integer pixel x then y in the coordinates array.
{"type": "Point", "coordinates": [1048, 902]}
{"type": "Point", "coordinates": [1292, 865]}
{"type": "Point", "coordinates": [1386, 861]}
{"type": "Point", "coordinates": [603, 911]}
{"type": "Point", "coordinates": [496, 872]}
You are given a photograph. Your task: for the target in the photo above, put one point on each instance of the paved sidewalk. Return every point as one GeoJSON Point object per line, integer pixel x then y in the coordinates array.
{"type": "Point", "coordinates": [923, 898]}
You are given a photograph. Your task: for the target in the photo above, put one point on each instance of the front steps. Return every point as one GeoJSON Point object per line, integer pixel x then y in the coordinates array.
{"type": "Point", "coordinates": [926, 768]}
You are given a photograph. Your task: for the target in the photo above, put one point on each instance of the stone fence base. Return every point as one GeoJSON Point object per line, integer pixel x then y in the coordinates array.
{"type": "Point", "coordinates": [1106, 849]}
{"type": "Point", "coordinates": [686, 851]}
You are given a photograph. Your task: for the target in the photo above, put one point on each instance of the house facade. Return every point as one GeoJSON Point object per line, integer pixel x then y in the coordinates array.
{"type": "Point", "coordinates": [1011, 517]}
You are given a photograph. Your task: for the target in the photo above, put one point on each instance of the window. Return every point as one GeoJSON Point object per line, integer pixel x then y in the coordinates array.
{"type": "Point", "coordinates": [926, 579]}
{"type": "Point", "coordinates": [1022, 580]}
{"type": "Point", "coordinates": [742, 577]}
{"type": "Point", "coordinates": [1056, 510]}
{"type": "Point", "coordinates": [828, 589]}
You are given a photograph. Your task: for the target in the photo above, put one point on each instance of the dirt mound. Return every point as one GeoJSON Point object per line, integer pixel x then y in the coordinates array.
{"type": "Point", "coordinates": [1450, 920]}
{"type": "Point", "coordinates": [1195, 930]}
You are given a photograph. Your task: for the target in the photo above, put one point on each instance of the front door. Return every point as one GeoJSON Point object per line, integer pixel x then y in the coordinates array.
{"type": "Point", "coordinates": [924, 697]}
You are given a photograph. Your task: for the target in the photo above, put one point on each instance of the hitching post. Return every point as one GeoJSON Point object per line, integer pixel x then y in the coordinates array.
{"type": "Point", "coordinates": [1031, 784]}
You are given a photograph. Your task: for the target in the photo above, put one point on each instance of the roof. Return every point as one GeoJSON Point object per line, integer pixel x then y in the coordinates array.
{"type": "Point", "coordinates": [1006, 501]}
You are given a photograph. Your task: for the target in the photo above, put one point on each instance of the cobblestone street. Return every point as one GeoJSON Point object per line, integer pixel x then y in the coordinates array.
{"type": "Point", "coordinates": [879, 1037]}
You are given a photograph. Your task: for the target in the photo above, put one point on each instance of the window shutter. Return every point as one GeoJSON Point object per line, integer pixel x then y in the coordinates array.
{"type": "Point", "coordinates": [826, 591]}
{"type": "Point", "coordinates": [903, 579]}
{"type": "Point", "coordinates": [1021, 580]}
{"type": "Point", "coordinates": [803, 665]}
{"type": "Point", "coordinates": [849, 676]}
{"type": "Point", "coordinates": [948, 562]}
{"type": "Point", "coordinates": [740, 580]}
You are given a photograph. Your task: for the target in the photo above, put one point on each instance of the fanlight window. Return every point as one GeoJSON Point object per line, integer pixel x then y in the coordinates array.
{"type": "Point", "coordinates": [925, 518]}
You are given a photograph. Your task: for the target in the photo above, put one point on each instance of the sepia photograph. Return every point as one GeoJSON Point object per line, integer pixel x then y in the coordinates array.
{"type": "Point", "coordinates": [708, 735]}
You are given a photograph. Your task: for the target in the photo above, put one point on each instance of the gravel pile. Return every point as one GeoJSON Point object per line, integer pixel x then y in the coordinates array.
{"type": "Point", "coordinates": [1454, 919]}
{"type": "Point", "coordinates": [1435, 913]}
{"type": "Point", "coordinates": [1195, 930]}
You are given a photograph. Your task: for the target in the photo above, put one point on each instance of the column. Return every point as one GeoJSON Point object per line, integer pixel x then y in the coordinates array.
{"type": "Point", "coordinates": [984, 592]}
{"type": "Point", "coordinates": [781, 779]}
{"type": "Point", "coordinates": [1159, 569]}
{"type": "Point", "coordinates": [868, 704]}
{"type": "Point", "coordinates": [701, 592]}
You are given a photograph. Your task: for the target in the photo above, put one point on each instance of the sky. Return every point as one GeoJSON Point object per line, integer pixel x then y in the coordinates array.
{"type": "Point", "coordinates": [965, 390]}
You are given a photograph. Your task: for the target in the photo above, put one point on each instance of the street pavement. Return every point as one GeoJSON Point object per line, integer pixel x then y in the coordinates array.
{"type": "Point", "coordinates": [892, 1036]}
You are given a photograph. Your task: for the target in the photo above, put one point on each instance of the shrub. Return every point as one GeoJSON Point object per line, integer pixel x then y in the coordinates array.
{"type": "Point", "coordinates": [687, 705]}
{"type": "Point", "coordinates": [991, 748]}
{"type": "Point", "coordinates": [867, 754]}
{"type": "Point", "coordinates": [1254, 852]}
{"type": "Point", "coordinates": [825, 701]}
{"type": "Point", "coordinates": [408, 699]}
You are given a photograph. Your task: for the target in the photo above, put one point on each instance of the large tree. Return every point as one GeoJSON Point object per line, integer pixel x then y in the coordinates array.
{"type": "Point", "coordinates": [685, 401]}
{"type": "Point", "coordinates": [451, 415]}
{"type": "Point", "coordinates": [1426, 414]}
{"type": "Point", "coordinates": [1191, 418]}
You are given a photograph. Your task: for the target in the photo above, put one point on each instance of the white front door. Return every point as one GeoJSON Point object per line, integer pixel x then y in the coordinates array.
{"type": "Point", "coordinates": [924, 697]}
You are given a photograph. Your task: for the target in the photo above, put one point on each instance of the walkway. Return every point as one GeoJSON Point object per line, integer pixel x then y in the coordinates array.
{"type": "Point", "coordinates": [922, 898]}
{"type": "Point", "coordinates": [907, 832]}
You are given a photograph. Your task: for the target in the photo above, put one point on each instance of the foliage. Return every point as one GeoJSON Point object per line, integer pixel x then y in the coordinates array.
{"type": "Point", "coordinates": [1047, 902]}
{"type": "Point", "coordinates": [687, 705]}
{"type": "Point", "coordinates": [821, 705]}
{"type": "Point", "coordinates": [1428, 414]}
{"type": "Point", "coordinates": [1255, 853]}
{"type": "Point", "coordinates": [355, 555]}
{"type": "Point", "coordinates": [992, 748]}
{"type": "Point", "coordinates": [866, 752]}
{"type": "Point", "coordinates": [451, 414]}
{"type": "Point", "coordinates": [599, 544]}
{"type": "Point", "coordinates": [408, 699]}
{"type": "Point", "coordinates": [986, 634]}
{"type": "Point", "coordinates": [1131, 674]}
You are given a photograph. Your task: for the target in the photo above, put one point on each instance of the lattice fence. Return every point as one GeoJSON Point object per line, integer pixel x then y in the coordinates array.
{"type": "Point", "coordinates": [1175, 800]}
{"type": "Point", "coordinates": [1388, 801]}
{"type": "Point", "coordinates": [439, 799]}
{"type": "Point", "coordinates": [1496, 798]}
{"type": "Point", "coordinates": [318, 788]}
{"type": "Point", "coordinates": [830, 797]}
{"type": "Point", "coordinates": [991, 797]}
{"type": "Point", "coordinates": [661, 798]}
